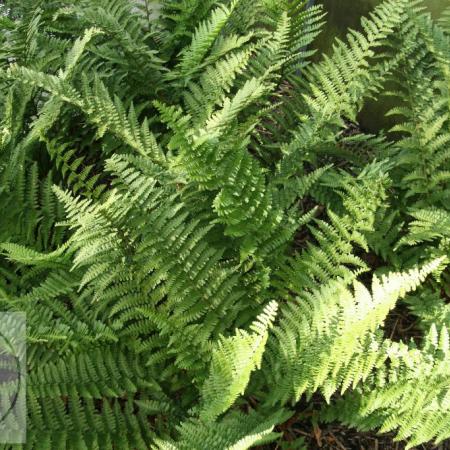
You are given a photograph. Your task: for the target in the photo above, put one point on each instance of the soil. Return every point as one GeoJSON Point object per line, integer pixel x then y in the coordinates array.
{"type": "Point", "coordinates": [338, 437]}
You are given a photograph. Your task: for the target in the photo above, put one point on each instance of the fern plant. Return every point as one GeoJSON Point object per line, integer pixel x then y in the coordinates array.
{"type": "Point", "coordinates": [199, 243]}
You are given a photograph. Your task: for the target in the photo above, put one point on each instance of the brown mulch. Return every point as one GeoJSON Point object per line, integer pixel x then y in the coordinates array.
{"type": "Point", "coordinates": [401, 325]}
{"type": "Point", "coordinates": [338, 437]}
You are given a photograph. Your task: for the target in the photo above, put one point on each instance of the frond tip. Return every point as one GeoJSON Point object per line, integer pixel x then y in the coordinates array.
{"type": "Point", "coordinates": [233, 360]}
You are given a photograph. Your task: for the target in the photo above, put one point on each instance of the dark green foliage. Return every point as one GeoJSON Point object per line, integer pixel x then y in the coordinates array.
{"type": "Point", "coordinates": [198, 239]}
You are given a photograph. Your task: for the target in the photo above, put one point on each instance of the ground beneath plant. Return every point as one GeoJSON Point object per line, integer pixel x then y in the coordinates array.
{"type": "Point", "coordinates": [338, 437]}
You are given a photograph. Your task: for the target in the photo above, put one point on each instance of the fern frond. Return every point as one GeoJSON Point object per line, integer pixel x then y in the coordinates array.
{"type": "Point", "coordinates": [411, 397]}
{"type": "Point", "coordinates": [236, 431]}
{"type": "Point", "coordinates": [324, 346]}
{"type": "Point", "coordinates": [202, 40]}
{"type": "Point", "coordinates": [226, 381]}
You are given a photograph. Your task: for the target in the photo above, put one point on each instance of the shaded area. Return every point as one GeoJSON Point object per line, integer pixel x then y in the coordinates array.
{"type": "Point", "coordinates": [343, 15]}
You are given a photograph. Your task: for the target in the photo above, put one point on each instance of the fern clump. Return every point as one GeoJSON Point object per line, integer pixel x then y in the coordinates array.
{"type": "Point", "coordinates": [198, 242]}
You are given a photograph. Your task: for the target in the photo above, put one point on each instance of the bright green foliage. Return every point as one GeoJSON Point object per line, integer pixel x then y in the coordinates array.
{"type": "Point", "coordinates": [201, 236]}
{"type": "Point", "coordinates": [344, 325]}
{"type": "Point", "coordinates": [410, 397]}
{"type": "Point", "coordinates": [233, 360]}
